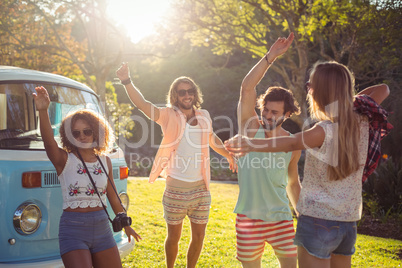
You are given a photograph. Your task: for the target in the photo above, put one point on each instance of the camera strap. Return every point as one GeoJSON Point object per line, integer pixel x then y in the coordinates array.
{"type": "Point", "coordinates": [93, 183]}
{"type": "Point", "coordinates": [111, 183]}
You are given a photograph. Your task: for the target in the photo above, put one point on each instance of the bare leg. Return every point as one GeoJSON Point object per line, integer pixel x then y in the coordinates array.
{"type": "Point", "coordinates": [290, 262]}
{"type": "Point", "coordinates": [341, 261]}
{"type": "Point", "coordinates": [308, 261]}
{"type": "Point", "coordinates": [107, 258]}
{"type": "Point", "coordinates": [80, 258]}
{"type": "Point", "coordinates": [172, 243]}
{"type": "Point", "coordinates": [251, 264]}
{"type": "Point", "coordinates": [195, 247]}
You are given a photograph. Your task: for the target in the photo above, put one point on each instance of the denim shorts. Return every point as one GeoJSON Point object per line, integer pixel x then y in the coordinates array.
{"type": "Point", "coordinates": [85, 230]}
{"type": "Point", "coordinates": [321, 238]}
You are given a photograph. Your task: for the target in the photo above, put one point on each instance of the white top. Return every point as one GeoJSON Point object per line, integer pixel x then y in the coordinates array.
{"type": "Point", "coordinates": [322, 198]}
{"type": "Point", "coordinates": [186, 163]}
{"type": "Point", "coordinates": [76, 186]}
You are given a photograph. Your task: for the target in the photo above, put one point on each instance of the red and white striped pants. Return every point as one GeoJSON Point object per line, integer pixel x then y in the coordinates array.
{"type": "Point", "coordinates": [252, 234]}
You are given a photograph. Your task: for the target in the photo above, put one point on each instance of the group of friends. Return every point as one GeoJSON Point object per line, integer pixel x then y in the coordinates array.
{"type": "Point", "coordinates": [341, 151]}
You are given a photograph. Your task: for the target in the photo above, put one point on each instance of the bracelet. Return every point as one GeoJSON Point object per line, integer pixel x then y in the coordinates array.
{"type": "Point", "coordinates": [126, 81]}
{"type": "Point", "coordinates": [266, 57]}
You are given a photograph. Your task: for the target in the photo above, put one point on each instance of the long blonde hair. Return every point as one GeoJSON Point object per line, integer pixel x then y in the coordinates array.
{"type": "Point", "coordinates": [331, 99]}
{"type": "Point", "coordinates": [172, 97]}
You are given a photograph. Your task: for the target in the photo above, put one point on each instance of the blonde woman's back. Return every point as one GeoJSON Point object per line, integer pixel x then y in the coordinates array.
{"type": "Point", "coordinates": [328, 199]}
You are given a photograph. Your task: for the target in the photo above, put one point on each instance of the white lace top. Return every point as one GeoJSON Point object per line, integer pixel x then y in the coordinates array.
{"type": "Point", "coordinates": [322, 198]}
{"type": "Point", "coordinates": [76, 186]}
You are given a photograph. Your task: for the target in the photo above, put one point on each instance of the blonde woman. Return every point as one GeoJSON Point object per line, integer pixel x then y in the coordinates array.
{"type": "Point", "coordinates": [330, 201]}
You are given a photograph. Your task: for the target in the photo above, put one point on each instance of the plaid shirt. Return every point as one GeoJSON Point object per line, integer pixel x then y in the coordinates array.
{"type": "Point", "coordinates": [378, 128]}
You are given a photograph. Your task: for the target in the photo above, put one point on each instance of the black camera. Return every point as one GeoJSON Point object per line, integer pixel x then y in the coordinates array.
{"type": "Point", "coordinates": [120, 221]}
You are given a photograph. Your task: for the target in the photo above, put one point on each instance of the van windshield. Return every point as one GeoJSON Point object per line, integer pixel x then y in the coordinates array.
{"type": "Point", "coordinates": [19, 120]}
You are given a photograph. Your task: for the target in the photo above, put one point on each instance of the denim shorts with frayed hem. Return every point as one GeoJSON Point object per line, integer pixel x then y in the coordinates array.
{"type": "Point", "coordinates": [85, 230]}
{"type": "Point", "coordinates": [321, 238]}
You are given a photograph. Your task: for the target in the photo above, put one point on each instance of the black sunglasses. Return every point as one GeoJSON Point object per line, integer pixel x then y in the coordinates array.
{"type": "Point", "coordinates": [182, 92]}
{"type": "Point", "coordinates": [87, 132]}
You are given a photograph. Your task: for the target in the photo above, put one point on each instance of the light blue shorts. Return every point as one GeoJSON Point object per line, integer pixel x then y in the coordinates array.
{"type": "Point", "coordinates": [321, 238]}
{"type": "Point", "coordinates": [85, 230]}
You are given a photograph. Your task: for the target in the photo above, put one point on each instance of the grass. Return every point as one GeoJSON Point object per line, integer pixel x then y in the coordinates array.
{"type": "Point", "coordinates": [220, 241]}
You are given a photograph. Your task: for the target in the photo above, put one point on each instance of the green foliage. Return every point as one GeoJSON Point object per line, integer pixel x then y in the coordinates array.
{"type": "Point", "coordinates": [364, 35]}
{"type": "Point", "coordinates": [120, 112]}
{"type": "Point", "coordinates": [376, 252]}
{"type": "Point", "coordinates": [28, 39]}
{"type": "Point", "coordinates": [383, 189]}
{"type": "Point", "coordinates": [393, 106]}
{"type": "Point", "coordinates": [219, 78]}
{"type": "Point", "coordinates": [220, 241]}
{"type": "Point", "coordinates": [61, 36]}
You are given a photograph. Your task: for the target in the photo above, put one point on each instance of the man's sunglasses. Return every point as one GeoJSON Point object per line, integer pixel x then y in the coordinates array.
{"type": "Point", "coordinates": [182, 92]}
{"type": "Point", "coordinates": [87, 132]}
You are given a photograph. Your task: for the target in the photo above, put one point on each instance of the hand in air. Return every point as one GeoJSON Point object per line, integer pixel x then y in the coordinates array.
{"type": "Point", "coordinates": [281, 45]}
{"type": "Point", "coordinates": [123, 73]}
{"type": "Point", "coordinates": [41, 98]}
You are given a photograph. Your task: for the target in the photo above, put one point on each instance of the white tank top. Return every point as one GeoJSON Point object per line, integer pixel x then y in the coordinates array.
{"type": "Point", "coordinates": [76, 186]}
{"type": "Point", "coordinates": [185, 165]}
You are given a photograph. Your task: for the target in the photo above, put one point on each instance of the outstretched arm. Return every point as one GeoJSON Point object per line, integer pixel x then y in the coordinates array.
{"type": "Point", "coordinates": [148, 108]}
{"type": "Point", "coordinates": [248, 96]}
{"type": "Point", "coordinates": [57, 156]}
{"type": "Point", "coordinates": [378, 92]}
{"type": "Point", "coordinates": [115, 203]}
{"type": "Point", "coordinates": [217, 145]}
{"type": "Point", "coordinates": [312, 138]}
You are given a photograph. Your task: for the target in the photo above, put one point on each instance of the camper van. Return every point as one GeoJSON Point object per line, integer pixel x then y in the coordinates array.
{"type": "Point", "coordinates": [30, 194]}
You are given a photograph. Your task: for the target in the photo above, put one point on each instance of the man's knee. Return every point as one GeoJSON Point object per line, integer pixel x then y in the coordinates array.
{"type": "Point", "coordinates": [251, 264]}
{"type": "Point", "coordinates": [198, 231]}
{"type": "Point", "coordinates": [173, 233]}
{"type": "Point", "coordinates": [198, 237]}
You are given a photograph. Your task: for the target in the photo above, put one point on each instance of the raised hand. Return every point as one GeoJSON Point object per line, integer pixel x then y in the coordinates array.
{"type": "Point", "coordinates": [280, 46]}
{"type": "Point", "coordinates": [123, 72]}
{"type": "Point", "coordinates": [41, 97]}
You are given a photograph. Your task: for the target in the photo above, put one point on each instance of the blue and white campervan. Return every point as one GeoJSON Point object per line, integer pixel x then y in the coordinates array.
{"type": "Point", "coordinates": [30, 194]}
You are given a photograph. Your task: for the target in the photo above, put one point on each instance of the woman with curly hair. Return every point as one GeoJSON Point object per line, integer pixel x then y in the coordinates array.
{"type": "Point", "coordinates": [85, 237]}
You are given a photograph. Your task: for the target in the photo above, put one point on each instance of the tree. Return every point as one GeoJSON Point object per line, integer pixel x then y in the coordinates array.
{"type": "Point", "coordinates": [27, 41]}
{"type": "Point", "coordinates": [71, 38]}
{"type": "Point", "coordinates": [61, 36]}
{"type": "Point", "coordinates": [324, 30]}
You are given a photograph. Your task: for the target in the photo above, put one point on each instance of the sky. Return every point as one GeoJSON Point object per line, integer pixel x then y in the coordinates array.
{"type": "Point", "coordinates": [138, 16]}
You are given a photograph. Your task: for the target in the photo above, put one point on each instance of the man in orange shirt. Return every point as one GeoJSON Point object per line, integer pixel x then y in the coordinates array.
{"type": "Point", "coordinates": [183, 159]}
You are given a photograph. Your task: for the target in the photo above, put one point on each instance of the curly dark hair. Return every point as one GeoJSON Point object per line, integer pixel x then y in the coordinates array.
{"type": "Point", "coordinates": [279, 94]}
{"type": "Point", "coordinates": [102, 132]}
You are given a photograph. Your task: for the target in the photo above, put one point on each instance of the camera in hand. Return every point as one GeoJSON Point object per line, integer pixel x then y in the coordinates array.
{"type": "Point", "coordinates": [120, 221]}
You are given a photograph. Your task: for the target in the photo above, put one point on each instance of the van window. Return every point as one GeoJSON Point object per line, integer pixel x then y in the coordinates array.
{"type": "Point", "coordinates": [19, 126]}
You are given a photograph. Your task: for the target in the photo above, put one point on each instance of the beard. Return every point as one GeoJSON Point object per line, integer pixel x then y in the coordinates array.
{"type": "Point", "coordinates": [272, 124]}
{"type": "Point", "coordinates": [185, 106]}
